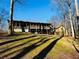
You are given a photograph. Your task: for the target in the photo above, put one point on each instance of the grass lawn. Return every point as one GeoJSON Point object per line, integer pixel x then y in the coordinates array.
{"type": "Point", "coordinates": [32, 46]}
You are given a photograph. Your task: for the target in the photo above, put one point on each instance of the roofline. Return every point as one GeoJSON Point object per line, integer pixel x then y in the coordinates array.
{"type": "Point", "coordinates": [31, 22]}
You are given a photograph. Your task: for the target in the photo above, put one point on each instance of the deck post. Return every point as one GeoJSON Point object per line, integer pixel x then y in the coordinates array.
{"type": "Point", "coordinates": [40, 28]}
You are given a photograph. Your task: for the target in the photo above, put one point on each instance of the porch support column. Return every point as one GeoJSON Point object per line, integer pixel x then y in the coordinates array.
{"type": "Point", "coordinates": [29, 27]}
{"type": "Point", "coordinates": [40, 28]}
{"type": "Point", "coordinates": [47, 29]}
{"type": "Point", "coordinates": [43, 28]}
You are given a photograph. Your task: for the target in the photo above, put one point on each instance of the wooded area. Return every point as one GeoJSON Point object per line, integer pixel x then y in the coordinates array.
{"type": "Point", "coordinates": [69, 13]}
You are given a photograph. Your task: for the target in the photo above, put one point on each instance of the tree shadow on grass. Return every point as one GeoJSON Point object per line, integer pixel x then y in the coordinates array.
{"type": "Point", "coordinates": [23, 48]}
{"type": "Point", "coordinates": [45, 51]}
{"type": "Point", "coordinates": [5, 50]}
{"type": "Point", "coordinates": [29, 48]}
{"type": "Point", "coordinates": [75, 48]}
{"type": "Point", "coordinates": [17, 34]}
{"type": "Point", "coordinates": [16, 40]}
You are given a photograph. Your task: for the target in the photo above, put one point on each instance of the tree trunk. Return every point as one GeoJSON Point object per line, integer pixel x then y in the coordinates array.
{"type": "Point", "coordinates": [72, 28]}
{"type": "Point", "coordinates": [11, 16]}
{"type": "Point", "coordinates": [76, 7]}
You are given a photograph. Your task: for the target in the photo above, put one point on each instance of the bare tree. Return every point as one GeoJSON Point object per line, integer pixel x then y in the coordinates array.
{"type": "Point", "coordinates": [77, 15]}
{"type": "Point", "coordinates": [70, 16]}
{"type": "Point", "coordinates": [3, 18]}
{"type": "Point", "coordinates": [65, 6]}
{"type": "Point", "coordinates": [11, 14]}
{"type": "Point", "coordinates": [54, 21]}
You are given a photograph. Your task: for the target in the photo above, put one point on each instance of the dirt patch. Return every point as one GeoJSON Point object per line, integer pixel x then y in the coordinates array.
{"type": "Point", "coordinates": [64, 56]}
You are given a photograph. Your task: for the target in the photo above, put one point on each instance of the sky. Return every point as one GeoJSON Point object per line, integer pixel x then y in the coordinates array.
{"type": "Point", "coordinates": [31, 10]}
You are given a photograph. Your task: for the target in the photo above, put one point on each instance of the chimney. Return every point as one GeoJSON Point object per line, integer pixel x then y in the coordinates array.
{"type": "Point", "coordinates": [76, 6]}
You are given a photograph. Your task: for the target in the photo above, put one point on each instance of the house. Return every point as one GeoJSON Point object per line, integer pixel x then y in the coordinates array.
{"type": "Point", "coordinates": [60, 30]}
{"type": "Point", "coordinates": [33, 27]}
